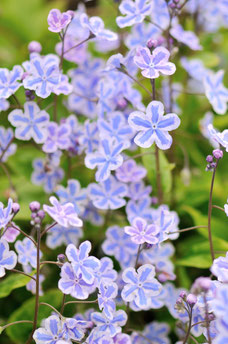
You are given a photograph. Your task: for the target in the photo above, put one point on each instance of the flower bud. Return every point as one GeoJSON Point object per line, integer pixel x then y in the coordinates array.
{"type": "Point", "coordinates": [201, 284]}
{"type": "Point", "coordinates": [183, 294]}
{"type": "Point", "coordinates": [152, 43]}
{"type": "Point", "coordinates": [209, 158]}
{"type": "Point", "coordinates": [34, 47]}
{"type": "Point", "coordinates": [191, 299]}
{"type": "Point", "coordinates": [61, 258]}
{"type": "Point", "coordinates": [34, 206]}
{"type": "Point", "coordinates": [15, 208]}
{"type": "Point", "coordinates": [154, 200]}
{"type": "Point", "coordinates": [29, 95]}
{"type": "Point", "coordinates": [41, 214]}
{"type": "Point", "coordinates": [217, 153]}
{"type": "Point", "coordinates": [37, 220]}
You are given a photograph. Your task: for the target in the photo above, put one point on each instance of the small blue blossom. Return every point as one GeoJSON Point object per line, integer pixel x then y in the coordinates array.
{"type": "Point", "coordinates": [154, 64]}
{"type": "Point", "coordinates": [134, 12]}
{"type": "Point", "coordinates": [9, 81]}
{"type": "Point", "coordinates": [58, 21]}
{"type": "Point", "coordinates": [105, 93]}
{"type": "Point", "coordinates": [92, 215]}
{"type": "Point", "coordinates": [108, 194]}
{"type": "Point", "coordinates": [141, 232]}
{"type": "Point", "coordinates": [59, 235]}
{"type": "Point", "coordinates": [64, 215]}
{"type": "Point", "coordinates": [220, 268]}
{"type": "Point", "coordinates": [89, 138]}
{"type": "Point", "coordinates": [47, 172]}
{"type": "Point", "coordinates": [5, 213]}
{"type": "Point", "coordinates": [215, 91]}
{"type": "Point", "coordinates": [27, 252]}
{"type": "Point", "coordinates": [141, 34]}
{"type": "Point", "coordinates": [81, 262]}
{"type": "Point", "coordinates": [203, 125]}
{"type": "Point", "coordinates": [221, 138]}
{"type": "Point", "coordinates": [140, 285]}
{"type": "Point", "coordinates": [6, 136]}
{"type": "Point", "coordinates": [107, 326]}
{"type": "Point", "coordinates": [73, 194]}
{"type": "Point", "coordinates": [32, 123]}
{"type": "Point", "coordinates": [115, 127]}
{"type": "Point", "coordinates": [107, 158]}
{"type": "Point", "coordinates": [194, 67]}
{"type": "Point", "coordinates": [119, 245]}
{"type": "Point", "coordinates": [130, 172]}
{"type": "Point", "coordinates": [57, 137]}
{"type": "Point", "coordinates": [156, 333]}
{"type": "Point", "coordinates": [43, 74]}
{"type": "Point", "coordinates": [138, 191]}
{"type": "Point", "coordinates": [139, 208]}
{"type": "Point", "coordinates": [106, 274]}
{"type": "Point", "coordinates": [73, 284]}
{"type": "Point", "coordinates": [96, 27]}
{"type": "Point", "coordinates": [160, 13]}
{"type": "Point", "coordinates": [105, 299]}
{"type": "Point", "coordinates": [188, 38]}
{"type": "Point", "coordinates": [31, 285]}
{"type": "Point", "coordinates": [154, 126]}
{"type": "Point", "coordinates": [8, 259]}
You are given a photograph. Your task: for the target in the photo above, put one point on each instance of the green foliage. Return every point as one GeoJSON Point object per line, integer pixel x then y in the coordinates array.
{"type": "Point", "coordinates": [20, 333]}
{"type": "Point", "coordinates": [12, 282]}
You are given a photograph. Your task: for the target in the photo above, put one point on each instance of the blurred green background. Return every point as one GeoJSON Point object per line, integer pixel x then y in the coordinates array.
{"type": "Point", "coordinates": [24, 20]}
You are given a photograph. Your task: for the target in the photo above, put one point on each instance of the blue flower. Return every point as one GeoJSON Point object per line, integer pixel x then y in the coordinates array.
{"type": "Point", "coordinates": [32, 123]}
{"type": "Point", "coordinates": [140, 35]}
{"type": "Point", "coordinates": [58, 137]}
{"type": "Point", "coordinates": [27, 252]}
{"type": "Point", "coordinates": [156, 333]}
{"type": "Point", "coordinates": [134, 12]}
{"type": "Point", "coordinates": [73, 194]}
{"type": "Point", "coordinates": [140, 285]}
{"type": "Point", "coordinates": [130, 172]}
{"type": "Point", "coordinates": [89, 138]}
{"type": "Point", "coordinates": [43, 74]}
{"type": "Point", "coordinates": [64, 215]}
{"type": "Point", "coordinates": [4, 104]}
{"type": "Point", "coordinates": [59, 235]}
{"type": "Point", "coordinates": [105, 93]}
{"type": "Point", "coordinates": [8, 259]}
{"type": "Point", "coordinates": [153, 126]}
{"type": "Point", "coordinates": [6, 136]}
{"type": "Point", "coordinates": [154, 64]}
{"type": "Point", "coordinates": [220, 268]}
{"type": "Point", "coordinates": [9, 81]}
{"type": "Point", "coordinates": [73, 284]}
{"type": "Point", "coordinates": [5, 213]}
{"type": "Point", "coordinates": [106, 274]}
{"type": "Point", "coordinates": [96, 27]}
{"type": "Point", "coordinates": [138, 191]}
{"type": "Point", "coordinates": [105, 299]}
{"type": "Point", "coordinates": [188, 38]}
{"type": "Point", "coordinates": [108, 194]}
{"type": "Point", "coordinates": [81, 262]}
{"type": "Point", "coordinates": [119, 245]}
{"type": "Point", "coordinates": [215, 91]}
{"type": "Point", "coordinates": [115, 127]}
{"type": "Point", "coordinates": [47, 172]}
{"type": "Point", "coordinates": [140, 208]}
{"type": "Point", "coordinates": [221, 138]}
{"type": "Point", "coordinates": [109, 326]}
{"type": "Point", "coordinates": [92, 215]}
{"type": "Point", "coordinates": [107, 158]}
{"type": "Point", "coordinates": [160, 13]}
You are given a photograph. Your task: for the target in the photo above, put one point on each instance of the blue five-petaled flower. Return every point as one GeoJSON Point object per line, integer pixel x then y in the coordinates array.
{"type": "Point", "coordinates": [9, 81]}
{"type": "Point", "coordinates": [152, 126]}
{"type": "Point", "coordinates": [8, 259]}
{"type": "Point", "coordinates": [134, 12]}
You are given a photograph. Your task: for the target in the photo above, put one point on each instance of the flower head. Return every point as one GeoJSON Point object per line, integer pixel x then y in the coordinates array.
{"type": "Point", "coordinates": [134, 12]}
{"type": "Point", "coordinates": [58, 21]}
{"type": "Point", "coordinates": [141, 232]}
{"type": "Point", "coordinates": [8, 259]}
{"type": "Point", "coordinates": [7, 148]}
{"type": "Point", "coordinates": [5, 213]}
{"type": "Point", "coordinates": [10, 81]}
{"type": "Point", "coordinates": [95, 25]}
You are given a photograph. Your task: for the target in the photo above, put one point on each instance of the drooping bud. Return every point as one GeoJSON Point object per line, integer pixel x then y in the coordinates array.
{"type": "Point", "coordinates": [217, 153]}
{"type": "Point", "coordinates": [34, 47]}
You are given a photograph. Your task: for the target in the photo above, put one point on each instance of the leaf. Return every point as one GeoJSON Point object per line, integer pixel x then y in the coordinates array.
{"type": "Point", "coordinates": [20, 333]}
{"type": "Point", "coordinates": [12, 282]}
{"type": "Point", "coordinates": [202, 261]}
{"type": "Point", "coordinates": [165, 168]}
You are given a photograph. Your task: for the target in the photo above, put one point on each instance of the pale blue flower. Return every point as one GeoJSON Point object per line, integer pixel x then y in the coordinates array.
{"type": "Point", "coordinates": [4, 104]}
{"type": "Point", "coordinates": [139, 208]}
{"type": "Point", "coordinates": [134, 12]}
{"type": "Point", "coordinates": [106, 273]}
{"type": "Point", "coordinates": [91, 214]}
{"type": "Point", "coordinates": [109, 326]}
{"type": "Point", "coordinates": [130, 172]}
{"type": "Point", "coordinates": [107, 158]}
{"type": "Point", "coordinates": [106, 296]}
{"type": "Point", "coordinates": [8, 259]}
{"type": "Point", "coordinates": [6, 136]}
{"type": "Point", "coordinates": [138, 191]}
{"type": "Point", "coordinates": [96, 27]}
{"type": "Point", "coordinates": [59, 235]}
{"type": "Point", "coordinates": [74, 194]}
{"type": "Point", "coordinates": [90, 137]}
{"type": "Point", "coordinates": [108, 194]}
{"type": "Point", "coordinates": [81, 262]}
{"type": "Point", "coordinates": [58, 137]}
{"type": "Point", "coordinates": [10, 81]}
{"type": "Point", "coordinates": [215, 91]}
{"type": "Point", "coordinates": [58, 21]}
{"type": "Point", "coordinates": [188, 38]}
{"type": "Point", "coordinates": [141, 34]}
{"type": "Point", "coordinates": [5, 213]}
{"type": "Point", "coordinates": [157, 333]}
{"type": "Point", "coordinates": [32, 123]}
{"type": "Point", "coordinates": [153, 126]}
{"type": "Point", "coordinates": [141, 232]}
{"type": "Point", "coordinates": [221, 138]}
{"type": "Point", "coordinates": [27, 252]}
{"type": "Point", "coordinates": [140, 285]}
{"type": "Point", "coordinates": [194, 67]}
{"type": "Point", "coordinates": [64, 215]}
{"type": "Point", "coordinates": [220, 268]}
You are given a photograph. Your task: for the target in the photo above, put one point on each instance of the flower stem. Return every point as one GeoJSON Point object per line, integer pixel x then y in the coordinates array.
{"type": "Point", "coordinates": [15, 323]}
{"type": "Point", "coordinates": [209, 213]}
{"type": "Point", "coordinates": [207, 319]}
{"type": "Point", "coordinates": [188, 229]}
{"type": "Point", "coordinates": [22, 232]}
{"type": "Point", "coordinates": [23, 273]}
{"type": "Point", "coordinates": [189, 327]}
{"type": "Point", "coordinates": [79, 301]}
{"type": "Point", "coordinates": [48, 228]}
{"type": "Point", "coordinates": [217, 207]}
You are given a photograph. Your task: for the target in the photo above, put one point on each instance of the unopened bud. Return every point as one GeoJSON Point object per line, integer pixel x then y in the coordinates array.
{"type": "Point", "coordinates": [34, 206]}
{"type": "Point", "coordinates": [191, 299]}
{"type": "Point", "coordinates": [15, 208]}
{"type": "Point", "coordinates": [217, 153]}
{"type": "Point", "coordinates": [61, 258]}
{"type": "Point", "coordinates": [34, 47]}
{"type": "Point", "coordinates": [209, 158]}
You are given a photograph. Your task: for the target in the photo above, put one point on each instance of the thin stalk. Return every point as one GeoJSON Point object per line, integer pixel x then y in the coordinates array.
{"type": "Point", "coordinates": [37, 286]}
{"type": "Point", "coordinates": [22, 232]}
{"type": "Point", "coordinates": [23, 273]}
{"type": "Point", "coordinates": [80, 43]}
{"type": "Point", "coordinates": [3, 166]}
{"type": "Point", "coordinates": [135, 80]}
{"type": "Point", "coordinates": [63, 304]}
{"type": "Point", "coordinates": [207, 320]}
{"type": "Point", "coordinates": [77, 302]}
{"type": "Point", "coordinates": [50, 262]}
{"type": "Point", "coordinates": [48, 228]}
{"type": "Point", "coordinates": [210, 212]}
{"type": "Point", "coordinates": [6, 148]}
{"type": "Point", "coordinates": [138, 254]}
{"type": "Point", "coordinates": [15, 323]}
{"type": "Point", "coordinates": [50, 306]}
{"type": "Point", "coordinates": [138, 156]}
{"type": "Point", "coordinates": [189, 328]}
{"type": "Point", "coordinates": [188, 229]}
{"type": "Point", "coordinates": [217, 207]}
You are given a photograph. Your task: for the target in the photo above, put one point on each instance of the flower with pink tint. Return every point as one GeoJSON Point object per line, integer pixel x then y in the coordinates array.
{"type": "Point", "coordinates": [141, 232]}
{"type": "Point", "coordinates": [58, 21]}
{"type": "Point", "coordinates": [11, 233]}
{"type": "Point", "coordinates": [130, 172]}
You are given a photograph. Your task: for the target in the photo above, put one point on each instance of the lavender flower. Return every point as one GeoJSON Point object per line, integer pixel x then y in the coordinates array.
{"type": "Point", "coordinates": [140, 285]}
{"type": "Point", "coordinates": [95, 25]}
{"type": "Point", "coordinates": [57, 137]}
{"type": "Point", "coordinates": [221, 138]}
{"type": "Point", "coordinates": [89, 138]}
{"type": "Point", "coordinates": [10, 234]}
{"type": "Point", "coordinates": [105, 299]}
{"type": "Point", "coordinates": [106, 274]}
{"type": "Point", "coordinates": [220, 268]}
{"type": "Point", "coordinates": [27, 252]}
{"type": "Point", "coordinates": [5, 213]}
{"type": "Point", "coordinates": [189, 38]}
{"type": "Point", "coordinates": [58, 21]}
{"type": "Point", "coordinates": [59, 235]}
{"type": "Point", "coordinates": [9, 81]}
{"type": "Point", "coordinates": [31, 285]}
{"type": "Point", "coordinates": [140, 232]}
{"type": "Point", "coordinates": [108, 326]}
{"type": "Point", "coordinates": [107, 158]}
{"type": "Point", "coordinates": [134, 12]}
{"type": "Point", "coordinates": [64, 215]}
{"type": "Point", "coordinates": [8, 259]}
{"type": "Point", "coordinates": [32, 123]}
{"type": "Point", "coordinates": [130, 172]}
{"type": "Point", "coordinates": [153, 127]}
{"type": "Point", "coordinates": [108, 194]}
{"type": "Point", "coordinates": [7, 148]}
{"type": "Point", "coordinates": [154, 64]}
{"type": "Point", "coordinates": [155, 332]}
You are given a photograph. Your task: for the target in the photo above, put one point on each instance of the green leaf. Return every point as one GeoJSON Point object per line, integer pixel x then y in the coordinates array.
{"type": "Point", "coordinates": [12, 282]}
{"type": "Point", "coordinates": [20, 333]}
{"type": "Point", "coordinates": [165, 168]}
{"type": "Point", "coordinates": [202, 261]}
